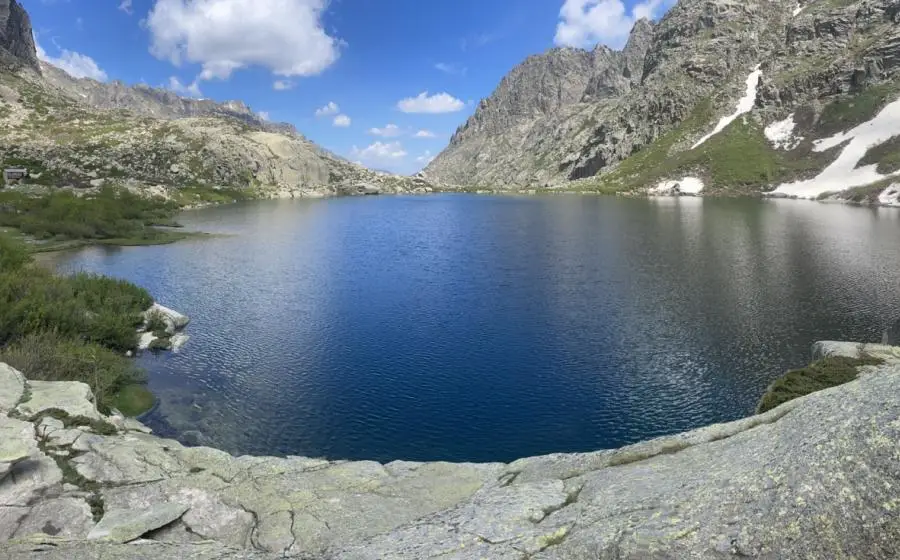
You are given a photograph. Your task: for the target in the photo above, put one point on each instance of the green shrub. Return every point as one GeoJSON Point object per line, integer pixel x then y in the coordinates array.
{"type": "Point", "coordinates": [113, 213]}
{"type": "Point", "coordinates": [50, 356]}
{"type": "Point", "coordinates": [13, 253]}
{"type": "Point", "coordinates": [829, 372]}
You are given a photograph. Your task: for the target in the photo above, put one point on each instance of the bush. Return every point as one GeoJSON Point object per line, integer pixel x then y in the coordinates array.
{"type": "Point", "coordinates": [72, 328]}
{"type": "Point", "coordinates": [826, 373]}
{"type": "Point", "coordinates": [113, 213]}
{"type": "Point", "coordinates": [49, 356]}
{"type": "Point", "coordinates": [92, 308]}
{"type": "Point", "coordinates": [13, 253]}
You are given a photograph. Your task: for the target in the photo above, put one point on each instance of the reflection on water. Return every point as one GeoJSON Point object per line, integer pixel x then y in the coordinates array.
{"type": "Point", "coordinates": [488, 328]}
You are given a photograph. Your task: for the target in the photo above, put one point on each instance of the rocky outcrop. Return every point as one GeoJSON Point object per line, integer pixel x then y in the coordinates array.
{"type": "Point", "coordinates": [669, 86]}
{"type": "Point", "coordinates": [16, 38]}
{"type": "Point", "coordinates": [81, 133]}
{"type": "Point", "coordinates": [815, 478]}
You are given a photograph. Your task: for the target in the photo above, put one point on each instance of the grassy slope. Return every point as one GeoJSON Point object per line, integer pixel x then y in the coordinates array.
{"type": "Point", "coordinates": [740, 159]}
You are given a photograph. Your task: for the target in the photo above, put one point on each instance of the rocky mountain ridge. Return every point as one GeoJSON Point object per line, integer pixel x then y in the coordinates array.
{"type": "Point", "coordinates": [17, 46]}
{"type": "Point", "coordinates": [812, 478]}
{"type": "Point", "coordinates": [83, 134]}
{"type": "Point", "coordinates": [630, 120]}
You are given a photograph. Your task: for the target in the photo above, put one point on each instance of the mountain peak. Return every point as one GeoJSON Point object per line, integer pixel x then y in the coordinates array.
{"type": "Point", "coordinates": [17, 46]}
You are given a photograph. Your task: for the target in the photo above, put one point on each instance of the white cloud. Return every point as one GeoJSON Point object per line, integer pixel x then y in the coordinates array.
{"type": "Point", "coordinates": [437, 103]}
{"type": "Point", "coordinates": [330, 109]}
{"type": "Point", "coordinates": [425, 158]}
{"type": "Point", "coordinates": [450, 68]}
{"type": "Point", "coordinates": [585, 23]}
{"type": "Point", "coordinates": [126, 7]}
{"type": "Point", "coordinates": [380, 153]}
{"type": "Point", "coordinates": [281, 85]}
{"type": "Point", "coordinates": [264, 115]}
{"type": "Point", "coordinates": [188, 90]}
{"type": "Point", "coordinates": [285, 36]}
{"type": "Point", "coordinates": [424, 134]}
{"type": "Point", "coordinates": [389, 131]}
{"type": "Point", "coordinates": [74, 64]}
{"type": "Point", "coordinates": [342, 121]}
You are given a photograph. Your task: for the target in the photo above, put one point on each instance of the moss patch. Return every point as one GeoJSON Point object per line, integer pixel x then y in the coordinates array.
{"type": "Point", "coordinates": [826, 373]}
{"type": "Point", "coordinates": [133, 400]}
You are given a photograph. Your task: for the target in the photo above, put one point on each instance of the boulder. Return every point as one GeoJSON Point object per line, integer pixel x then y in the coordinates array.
{"type": "Point", "coordinates": [174, 320]}
{"type": "Point", "coordinates": [72, 397]}
{"type": "Point", "coordinates": [12, 387]}
{"type": "Point", "coordinates": [126, 525]}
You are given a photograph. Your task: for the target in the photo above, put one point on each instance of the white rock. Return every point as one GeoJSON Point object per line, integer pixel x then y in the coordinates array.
{"type": "Point", "coordinates": [72, 397]}
{"type": "Point", "coordinates": [12, 387]}
{"type": "Point", "coordinates": [126, 525]}
{"type": "Point", "coordinates": [145, 340]}
{"type": "Point", "coordinates": [174, 320]}
{"type": "Point", "coordinates": [687, 185]}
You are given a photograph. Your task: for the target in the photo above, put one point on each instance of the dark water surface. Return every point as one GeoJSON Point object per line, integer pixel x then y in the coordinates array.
{"type": "Point", "coordinates": [488, 328]}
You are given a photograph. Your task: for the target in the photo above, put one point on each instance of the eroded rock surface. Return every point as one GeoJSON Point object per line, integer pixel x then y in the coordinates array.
{"type": "Point", "coordinates": [818, 477]}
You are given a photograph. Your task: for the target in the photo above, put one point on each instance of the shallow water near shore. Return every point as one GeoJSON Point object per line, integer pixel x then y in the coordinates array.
{"type": "Point", "coordinates": [472, 328]}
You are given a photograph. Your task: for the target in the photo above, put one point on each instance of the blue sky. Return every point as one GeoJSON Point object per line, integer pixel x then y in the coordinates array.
{"type": "Point", "coordinates": [352, 61]}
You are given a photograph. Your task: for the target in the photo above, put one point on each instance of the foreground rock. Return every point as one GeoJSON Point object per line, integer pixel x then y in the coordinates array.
{"type": "Point", "coordinates": [818, 477]}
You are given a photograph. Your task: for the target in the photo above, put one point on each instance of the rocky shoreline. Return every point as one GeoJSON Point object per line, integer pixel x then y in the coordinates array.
{"type": "Point", "coordinates": [813, 478]}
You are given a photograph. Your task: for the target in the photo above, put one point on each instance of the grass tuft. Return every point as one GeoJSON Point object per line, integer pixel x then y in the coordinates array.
{"type": "Point", "coordinates": [826, 373]}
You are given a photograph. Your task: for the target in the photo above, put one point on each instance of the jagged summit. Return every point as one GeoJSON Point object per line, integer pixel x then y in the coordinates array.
{"type": "Point", "coordinates": [606, 117]}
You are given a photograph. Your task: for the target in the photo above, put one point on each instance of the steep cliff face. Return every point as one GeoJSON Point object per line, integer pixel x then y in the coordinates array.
{"type": "Point", "coordinates": [16, 39]}
{"type": "Point", "coordinates": [648, 105]}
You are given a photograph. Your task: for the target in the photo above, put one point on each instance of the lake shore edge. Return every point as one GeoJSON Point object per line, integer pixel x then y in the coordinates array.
{"type": "Point", "coordinates": [104, 485]}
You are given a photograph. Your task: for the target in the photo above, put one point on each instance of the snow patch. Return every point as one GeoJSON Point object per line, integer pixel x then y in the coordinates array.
{"type": "Point", "coordinates": [890, 196]}
{"type": "Point", "coordinates": [781, 134]}
{"type": "Point", "coordinates": [688, 185]}
{"type": "Point", "coordinates": [745, 105]}
{"type": "Point", "coordinates": [843, 173]}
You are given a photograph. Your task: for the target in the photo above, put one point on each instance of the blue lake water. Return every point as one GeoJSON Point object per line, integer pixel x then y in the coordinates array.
{"type": "Point", "coordinates": [469, 328]}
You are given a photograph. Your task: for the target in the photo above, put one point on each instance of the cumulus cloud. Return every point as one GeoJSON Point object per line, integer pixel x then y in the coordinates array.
{"type": "Point", "coordinates": [425, 158]}
{"type": "Point", "coordinates": [585, 23]}
{"type": "Point", "coordinates": [189, 90]}
{"type": "Point", "coordinates": [281, 85]}
{"type": "Point", "coordinates": [330, 109]}
{"type": "Point", "coordinates": [389, 131]}
{"type": "Point", "coordinates": [126, 7]}
{"type": "Point", "coordinates": [424, 134]}
{"type": "Point", "coordinates": [342, 121]}
{"type": "Point", "coordinates": [437, 103]}
{"type": "Point", "coordinates": [285, 36]}
{"type": "Point", "coordinates": [380, 153]}
{"type": "Point", "coordinates": [74, 64]}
